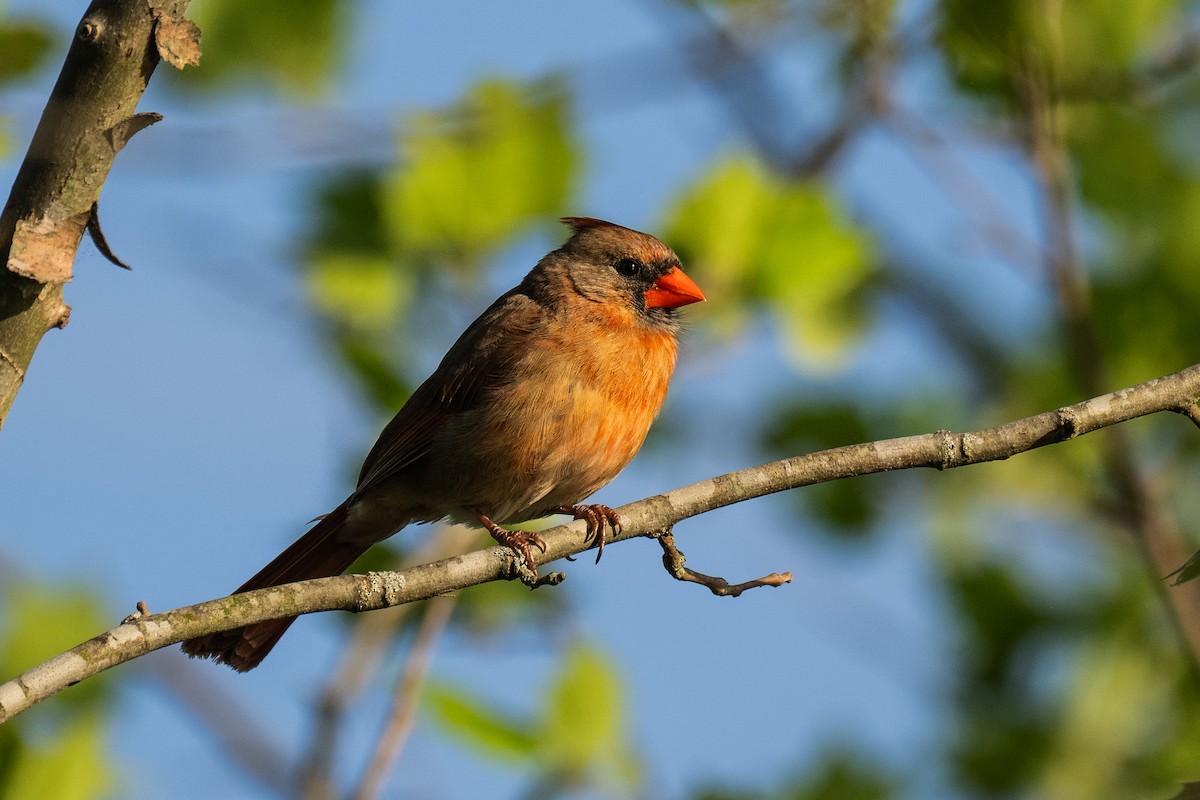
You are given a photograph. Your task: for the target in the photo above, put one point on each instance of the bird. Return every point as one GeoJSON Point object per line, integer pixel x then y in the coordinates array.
{"type": "Point", "coordinates": [542, 401]}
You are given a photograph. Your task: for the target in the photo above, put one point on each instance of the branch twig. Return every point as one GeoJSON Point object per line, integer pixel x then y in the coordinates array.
{"type": "Point", "coordinates": [647, 518]}
{"type": "Point", "coordinates": [673, 560]}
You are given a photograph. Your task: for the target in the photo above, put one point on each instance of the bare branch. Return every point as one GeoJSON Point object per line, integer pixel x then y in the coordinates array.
{"type": "Point", "coordinates": [647, 518]}
{"type": "Point", "coordinates": [360, 662]}
{"type": "Point", "coordinates": [249, 743]}
{"type": "Point", "coordinates": [673, 560]}
{"type": "Point", "coordinates": [404, 709]}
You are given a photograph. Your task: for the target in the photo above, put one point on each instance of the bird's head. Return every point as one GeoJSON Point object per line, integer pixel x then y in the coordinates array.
{"type": "Point", "coordinates": [607, 263]}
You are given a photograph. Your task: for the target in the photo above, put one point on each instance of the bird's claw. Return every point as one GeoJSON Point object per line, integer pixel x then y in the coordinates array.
{"type": "Point", "coordinates": [520, 543]}
{"type": "Point", "coordinates": [596, 515]}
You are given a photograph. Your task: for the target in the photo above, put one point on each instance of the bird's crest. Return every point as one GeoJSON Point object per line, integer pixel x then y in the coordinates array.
{"type": "Point", "coordinates": [579, 224]}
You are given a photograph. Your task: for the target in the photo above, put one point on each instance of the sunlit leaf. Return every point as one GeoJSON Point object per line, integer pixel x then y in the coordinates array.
{"type": "Point", "coordinates": [488, 730]}
{"type": "Point", "coordinates": [583, 725]}
{"type": "Point", "coordinates": [71, 765]}
{"type": "Point", "coordinates": [759, 240]}
{"type": "Point", "coordinates": [1099, 35]}
{"type": "Point", "coordinates": [1115, 702]}
{"type": "Point", "coordinates": [295, 46]}
{"type": "Point", "coordinates": [358, 289]}
{"type": "Point", "coordinates": [23, 48]}
{"type": "Point", "coordinates": [60, 753]}
{"type": "Point", "coordinates": [475, 174]}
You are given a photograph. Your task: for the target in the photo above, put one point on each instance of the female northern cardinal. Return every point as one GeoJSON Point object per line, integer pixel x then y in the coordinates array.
{"type": "Point", "coordinates": [542, 401]}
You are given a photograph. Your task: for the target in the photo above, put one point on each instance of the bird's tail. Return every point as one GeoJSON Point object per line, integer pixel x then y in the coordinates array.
{"type": "Point", "coordinates": [320, 553]}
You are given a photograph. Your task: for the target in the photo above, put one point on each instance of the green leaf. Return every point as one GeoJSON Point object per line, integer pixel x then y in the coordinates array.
{"type": "Point", "coordinates": [583, 725]}
{"type": "Point", "coordinates": [1099, 35]}
{"type": "Point", "coordinates": [992, 45]}
{"type": "Point", "coordinates": [59, 753]}
{"type": "Point", "coordinates": [1124, 168]}
{"type": "Point", "coordinates": [477, 173]}
{"type": "Point", "coordinates": [1114, 706]}
{"type": "Point", "coordinates": [983, 41]}
{"type": "Point", "coordinates": [349, 213]}
{"type": "Point", "coordinates": [23, 48]}
{"type": "Point", "coordinates": [849, 507]}
{"type": "Point", "coordinates": [489, 731]}
{"type": "Point", "coordinates": [358, 289]}
{"type": "Point", "coordinates": [295, 45]}
{"type": "Point", "coordinates": [1188, 791]}
{"type": "Point", "coordinates": [757, 239]}
{"type": "Point", "coordinates": [840, 774]}
{"type": "Point", "coordinates": [72, 765]}
{"type": "Point", "coordinates": [493, 608]}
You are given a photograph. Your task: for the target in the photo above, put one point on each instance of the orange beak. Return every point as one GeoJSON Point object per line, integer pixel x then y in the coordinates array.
{"type": "Point", "coordinates": [673, 290]}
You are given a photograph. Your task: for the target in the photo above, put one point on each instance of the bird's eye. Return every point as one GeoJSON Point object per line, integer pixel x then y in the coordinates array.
{"type": "Point", "coordinates": [628, 267]}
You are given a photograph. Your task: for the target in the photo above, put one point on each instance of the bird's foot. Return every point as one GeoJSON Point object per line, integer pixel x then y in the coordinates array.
{"type": "Point", "coordinates": [519, 542]}
{"type": "Point", "coordinates": [596, 515]}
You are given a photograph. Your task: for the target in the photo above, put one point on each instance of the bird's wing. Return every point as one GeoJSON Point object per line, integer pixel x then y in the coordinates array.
{"type": "Point", "coordinates": [480, 358]}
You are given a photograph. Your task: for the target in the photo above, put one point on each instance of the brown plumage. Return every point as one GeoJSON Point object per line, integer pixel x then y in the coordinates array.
{"type": "Point", "coordinates": [540, 402]}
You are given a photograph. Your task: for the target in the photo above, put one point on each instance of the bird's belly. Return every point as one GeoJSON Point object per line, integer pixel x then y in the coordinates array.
{"type": "Point", "coordinates": [522, 464]}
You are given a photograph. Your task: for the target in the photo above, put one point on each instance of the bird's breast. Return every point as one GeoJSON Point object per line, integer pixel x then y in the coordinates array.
{"type": "Point", "coordinates": [572, 415]}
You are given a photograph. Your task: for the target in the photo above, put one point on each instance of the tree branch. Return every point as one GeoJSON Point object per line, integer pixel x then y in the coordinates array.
{"type": "Point", "coordinates": [649, 518]}
{"type": "Point", "coordinates": [88, 119]}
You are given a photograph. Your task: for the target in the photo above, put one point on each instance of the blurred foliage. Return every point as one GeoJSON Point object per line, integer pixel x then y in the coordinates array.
{"type": "Point", "coordinates": [1125, 718]}
{"type": "Point", "coordinates": [849, 508]}
{"type": "Point", "coordinates": [992, 46]}
{"type": "Point", "coordinates": [294, 47]}
{"type": "Point", "coordinates": [838, 775]}
{"type": "Point", "coordinates": [1065, 686]}
{"type": "Point", "coordinates": [24, 45]}
{"type": "Point", "coordinates": [474, 175]}
{"type": "Point", "coordinates": [495, 609]}
{"type": "Point", "coordinates": [459, 192]}
{"type": "Point", "coordinates": [578, 738]}
{"type": "Point", "coordinates": [758, 241]}
{"type": "Point", "coordinates": [59, 750]}
{"type": "Point", "coordinates": [1064, 683]}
